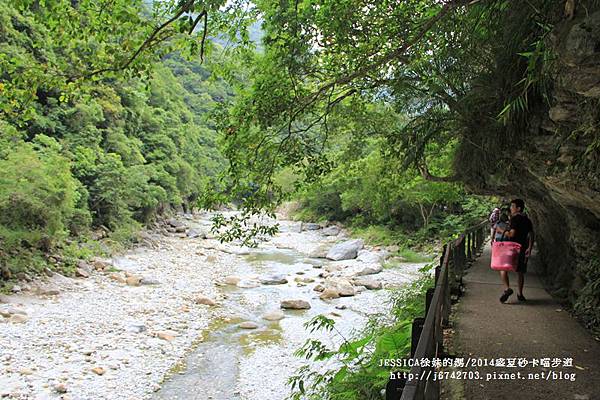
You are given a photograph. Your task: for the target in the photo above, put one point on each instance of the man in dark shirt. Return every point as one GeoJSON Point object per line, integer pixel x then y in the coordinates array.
{"type": "Point", "coordinates": [520, 231]}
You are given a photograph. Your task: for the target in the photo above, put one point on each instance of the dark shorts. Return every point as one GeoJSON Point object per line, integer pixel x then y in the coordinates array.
{"type": "Point", "coordinates": [522, 265]}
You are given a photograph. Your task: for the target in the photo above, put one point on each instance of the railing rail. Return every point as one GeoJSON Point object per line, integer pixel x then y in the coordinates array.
{"type": "Point", "coordinates": [427, 333]}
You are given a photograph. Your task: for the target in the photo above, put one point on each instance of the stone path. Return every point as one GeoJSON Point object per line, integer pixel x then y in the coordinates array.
{"type": "Point", "coordinates": [532, 330]}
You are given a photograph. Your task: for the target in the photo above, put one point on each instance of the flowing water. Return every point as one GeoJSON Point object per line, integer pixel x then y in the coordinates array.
{"type": "Point", "coordinates": [228, 362]}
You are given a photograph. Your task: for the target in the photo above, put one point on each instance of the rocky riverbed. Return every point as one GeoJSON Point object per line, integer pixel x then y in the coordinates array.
{"type": "Point", "coordinates": [187, 317]}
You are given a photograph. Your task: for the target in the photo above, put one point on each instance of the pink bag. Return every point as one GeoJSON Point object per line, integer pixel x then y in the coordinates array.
{"type": "Point", "coordinates": [505, 256]}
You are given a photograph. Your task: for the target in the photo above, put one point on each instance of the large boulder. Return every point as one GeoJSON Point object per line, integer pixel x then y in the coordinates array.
{"type": "Point", "coordinates": [274, 280]}
{"type": "Point", "coordinates": [295, 304]}
{"type": "Point", "coordinates": [304, 279]}
{"type": "Point", "coordinates": [369, 283]}
{"type": "Point", "coordinates": [248, 325]}
{"type": "Point", "coordinates": [371, 257]}
{"type": "Point", "coordinates": [100, 264]}
{"type": "Point", "coordinates": [207, 301]}
{"type": "Point", "coordinates": [329, 293]}
{"type": "Point", "coordinates": [133, 281]}
{"type": "Point", "coordinates": [310, 226]}
{"type": "Point", "coordinates": [18, 318]}
{"type": "Point", "coordinates": [319, 288]}
{"type": "Point", "coordinates": [331, 231]}
{"type": "Point", "coordinates": [81, 273]}
{"type": "Point", "coordinates": [274, 316]}
{"type": "Point", "coordinates": [346, 289]}
{"type": "Point", "coordinates": [175, 223]}
{"type": "Point", "coordinates": [319, 251]}
{"type": "Point", "coordinates": [346, 250]}
{"type": "Point", "coordinates": [370, 270]}
{"type": "Point", "coordinates": [196, 233]}
{"type": "Point", "coordinates": [85, 267]}
{"type": "Point", "coordinates": [342, 287]}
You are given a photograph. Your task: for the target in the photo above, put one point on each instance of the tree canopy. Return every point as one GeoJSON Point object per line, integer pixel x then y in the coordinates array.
{"type": "Point", "coordinates": [448, 68]}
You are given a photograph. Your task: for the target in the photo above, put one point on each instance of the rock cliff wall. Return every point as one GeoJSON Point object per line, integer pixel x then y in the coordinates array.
{"type": "Point", "coordinates": [555, 167]}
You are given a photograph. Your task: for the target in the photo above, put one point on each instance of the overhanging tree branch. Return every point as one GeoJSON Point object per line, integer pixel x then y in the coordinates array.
{"type": "Point", "coordinates": [185, 7]}
{"type": "Point", "coordinates": [424, 170]}
{"type": "Point", "coordinates": [396, 54]}
{"type": "Point", "coordinates": [204, 36]}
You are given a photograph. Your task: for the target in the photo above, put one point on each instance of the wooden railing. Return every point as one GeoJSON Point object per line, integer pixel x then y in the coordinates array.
{"type": "Point", "coordinates": [427, 332]}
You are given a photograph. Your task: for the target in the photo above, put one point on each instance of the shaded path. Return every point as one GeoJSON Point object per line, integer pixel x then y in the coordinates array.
{"type": "Point", "coordinates": [540, 327]}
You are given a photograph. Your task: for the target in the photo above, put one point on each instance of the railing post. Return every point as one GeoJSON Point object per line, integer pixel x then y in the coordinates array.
{"type": "Point", "coordinates": [428, 297]}
{"type": "Point", "coordinates": [458, 265]}
{"type": "Point", "coordinates": [456, 270]}
{"type": "Point", "coordinates": [446, 304]}
{"type": "Point", "coordinates": [417, 328]}
{"type": "Point", "coordinates": [468, 245]}
{"type": "Point", "coordinates": [439, 266]}
{"type": "Point", "coordinates": [394, 387]}
{"type": "Point", "coordinates": [456, 262]}
{"type": "Point", "coordinates": [451, 272]}
{"type": "Point", "coordinates": [463, 253]}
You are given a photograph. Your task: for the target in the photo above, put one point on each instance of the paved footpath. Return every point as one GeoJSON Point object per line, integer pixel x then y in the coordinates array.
{"type": "Point", "coordinates": [535, 329]}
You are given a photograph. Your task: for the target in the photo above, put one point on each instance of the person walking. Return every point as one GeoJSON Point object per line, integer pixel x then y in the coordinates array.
{"type": "Point", "coordinates": [493, 219]}
{"type": "Point", "coordinates": [501, 226]}
{"type": "Point", "coordinates": [520, 230]}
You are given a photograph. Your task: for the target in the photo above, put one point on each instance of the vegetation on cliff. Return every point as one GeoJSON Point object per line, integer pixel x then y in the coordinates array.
{"type": "Point", "coordinates": [110, 152]}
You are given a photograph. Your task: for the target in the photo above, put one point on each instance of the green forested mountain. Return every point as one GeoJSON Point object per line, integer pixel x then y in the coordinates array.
{"type": "Point", "coordinates": [113, 152]}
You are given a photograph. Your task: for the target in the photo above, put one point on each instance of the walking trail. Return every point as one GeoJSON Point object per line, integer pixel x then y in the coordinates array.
{"type": "Point", "coordinates": [533, 330]}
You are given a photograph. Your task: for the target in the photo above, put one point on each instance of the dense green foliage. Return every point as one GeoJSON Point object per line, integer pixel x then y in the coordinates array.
{"type": "Point", "coordinates": [388, 205]}
{"type": "Point", "coordinates": [365, 137]}
{"type": "Point", "coordinates": [462, 75]}
{"type": "Point", "coordinates": [112, 153]}
{"type": "Point", "coordinates": [38, 194]}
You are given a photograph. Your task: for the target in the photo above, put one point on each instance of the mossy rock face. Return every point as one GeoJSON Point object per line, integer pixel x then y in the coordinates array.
{"type": "Point", "coordinates": [551, 164]}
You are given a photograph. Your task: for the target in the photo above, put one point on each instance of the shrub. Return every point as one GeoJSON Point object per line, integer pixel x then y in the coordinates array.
{"type": "Point", "coordinates": [37, 195]}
